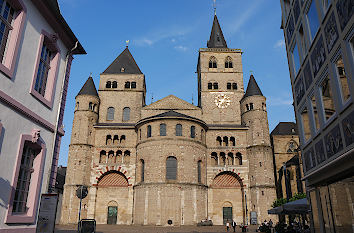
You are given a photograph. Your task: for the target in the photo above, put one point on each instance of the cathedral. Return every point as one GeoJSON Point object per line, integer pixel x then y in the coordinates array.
{"type": "Point", "coordinates": [171, 162]}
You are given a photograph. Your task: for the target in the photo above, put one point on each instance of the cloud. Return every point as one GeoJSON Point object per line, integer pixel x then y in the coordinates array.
{"type": "Point", "coordinates": [279, 44]}
{"type": "Point", "coordinates": [240, 20]}
{"type": "Point", "coordinates": [181, 48]}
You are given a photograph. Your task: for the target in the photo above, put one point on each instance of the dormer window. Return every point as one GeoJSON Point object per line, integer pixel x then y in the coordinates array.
{"type": "Point", "coordinates": [212, 62]}
{"type": "Point", "coordinates": [228, 62]}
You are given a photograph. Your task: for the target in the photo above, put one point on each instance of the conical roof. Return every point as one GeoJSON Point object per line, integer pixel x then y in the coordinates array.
{"type": "Point", "coordinates": [252, 88]}
{"type": "Point", "coordinates": [123, 64]}
{"type": "Point", "coordinates": [88, 88]}
{"type": "Point", "coordinates": [217, 39]}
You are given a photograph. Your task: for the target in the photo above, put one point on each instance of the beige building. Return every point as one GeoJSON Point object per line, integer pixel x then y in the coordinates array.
{"type": "Point", "coordinates": [171, 162]}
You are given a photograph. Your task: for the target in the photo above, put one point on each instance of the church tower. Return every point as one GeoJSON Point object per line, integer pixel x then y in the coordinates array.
{"type": "Point", "coordinates": [254, 115]}
{"type": "Point", "coordinates": [220, 79]}
{"type": "Point", "coordinates": [80, 149]}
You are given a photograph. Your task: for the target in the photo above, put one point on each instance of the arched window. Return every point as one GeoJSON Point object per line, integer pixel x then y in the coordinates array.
{"type": "Point", "coordinates": [127, 84]}
{"type": "Point", "coordinates": [225, 141]}
{"type": "Point", "coordinates": [126, 114]}
{"type": "Point", "coordinates": [223, 158]}
{"type": "Point", "coordinates": [122, 139]}
{"type": "Point", "coordinates": [228, 86]}
{"type": "Point", "coordinates": [247, 107]}
{"type": "Point", "coordinates": [192, 131]}
{"type": "Point", "coordinates": [239, 156]}
{"type": "Point", "coordinates": [110, 114]}
{"type": "Point", "coordinates": [251, 106]}
{"type": "Point", "coordinates": [142, 175]}
{"type": "Point", "coordinates": [234, 86]}
{"type": "Point", "coordinates": [90, 106]}
{"type": "Point", "coordinates": [228, 62]}
{"type": "Point", "coordinates": [212, 62]}
{"type": "Point", "coordinates": [119, 156]}
{"type": "Point", "coordinates": [162, 129]}
{"type": "Point", "coordinates": [214, 158]}
{"type": "Point", "coordinates": [108, 140]}
{"type": "Point", "coordinates": [230, 158]}
{"type": "Point", "coordinates": [115, 139]}
{"type": "Point", "coordinates": [218, 141]}
{"type": "Point", "coordinates": [215, 86]}
{"type": "Point", "coordinates": [114, 84]}
{"type": "Point", "coordinates": [133, 85]}
{"type": "Point", "coordinates": [232, 141]}
{"type": "Point", "coordinates": [103, 158]}
{"type": "Point", "coordinates": [178, 130]}
{"type": "Point", "coordinates": [171, 168]}
{"type": "Point", "coordinates": [111, 157]}
{"type": "Point", "coordinates": [148, 131]}
{"type": "Point", "coordinates": [210, 86]}
{"type": "Point", "coordinates": [199, 171]}
{"type": "Point", "coordinates": [108, 84]}
{"type": "Point", "coordinates": [126, 157]}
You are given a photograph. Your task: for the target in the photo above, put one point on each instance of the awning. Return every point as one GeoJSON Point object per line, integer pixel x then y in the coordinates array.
{"type": "Point", "coordinates": [294, 207]}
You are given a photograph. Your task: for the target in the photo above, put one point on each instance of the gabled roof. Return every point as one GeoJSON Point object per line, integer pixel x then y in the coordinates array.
{"type": "Point", "coordinates": [171, 102]}
{"type": "Point", "coordinates": [171, 113]}
{"type": "Point", "coordinates": [124, 60]}
{"type": "Point", "coordinates": [285, 128]}
{"type": "Point", "coordinates": [88, 88]}
{"type": "Point", "coordinates": [252, 88]}
{"type": "Point", "coordinates": [217, 39]}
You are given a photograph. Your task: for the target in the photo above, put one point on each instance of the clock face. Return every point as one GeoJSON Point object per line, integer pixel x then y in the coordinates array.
{"type": "Point", "coordinates": [222, 101]}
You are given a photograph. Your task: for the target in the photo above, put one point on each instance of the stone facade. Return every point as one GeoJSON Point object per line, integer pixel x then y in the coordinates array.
{"type": "Point", "coordinates": [171, 162]}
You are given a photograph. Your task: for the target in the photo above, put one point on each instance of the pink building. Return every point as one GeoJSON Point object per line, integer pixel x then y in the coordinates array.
{"type": "Point", "coordinates": [36, 52]}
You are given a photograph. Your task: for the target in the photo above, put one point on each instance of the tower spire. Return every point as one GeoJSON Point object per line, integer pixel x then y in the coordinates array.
{"type": "Point", "coordinates": [217, 39]}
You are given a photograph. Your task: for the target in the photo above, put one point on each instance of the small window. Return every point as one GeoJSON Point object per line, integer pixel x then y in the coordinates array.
{"type": "Point", "coordinates": [212, 62]}
{"type": "Point", "coordinates": [43, 70]}
{"type": "Point", "coordinates": [251, 106]}
{"type": "Point", "coordinates": [228, 62]}
{"type": "Point", "coordinates": [315, 112]}
{"type": "Point", "coordinates": [210, 86]}
{"type": "Point", "coordinates": [306, 124]}
{"type": "Point", "coordinates": [312, 19]}
{"type": "Point", "coordinates": [133, 85]}
{"type": "Point", "coordinates": [178, 130]}
{"type": "Point", "coordinates": [262, 193]}
{"type": "Point", "coordinates": [228, 86]}
{"type": "Point", "coordinates": [215, 86]}
{"type": "Point", "coordinates": [91, 106]}
{"type": "Point", "coordinates": [162, 129]}
{"type": "Point", "coordinates": [192, 131]}
{"type": "Point", "coordinates": [296, 59]}
{"type": "Point", "coordinates": [343, 81]}
{"type": "Point", "coordinates": [232, 141]}
{"type": "Point", "coordinates": [77, 105]}
{"type": "Point", "coordinates": [126, 114]}
{"type": "Point", "coordinates": [127, 85]}
{"type": "Point", "coordinates": [234, 86]}
{"type": "Point", "coordinates": [142, 163]}
{"type": "Point", "coordinates": [108, 84]}
{"type": "Point", "coordinates": [327, 98]}
{"type": "Point", "coordinates": [110, 114]}
{"type": "Point", "coordinates": [108, 139]}
{"type": "Point", "coordinates": [247, 107]}
{"type": "Point", "coordinates": [260, 164]}
{"type": "Point", "coordinates": [171, 168]}
{"type": "Point", "coordinates": [199, 171]}
{"type": "Point", "coordinates": [114, 84]}
{"type": "Point", "coordinates": [149, 131]}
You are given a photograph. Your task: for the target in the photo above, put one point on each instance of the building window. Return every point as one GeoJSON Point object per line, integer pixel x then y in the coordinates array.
{"type": "Point", "coordinates": [133, 85]}
{"type": "Point", "coordinates": [228, 86]}
{"type": "Point", "coordinates": [108, 84]}
{"type": "Point", "coordinates": [247, 107]}
{"type": "Point", "coordinates": [228, 62]}
{"type": "Point", "coordinates": [171, 168]}
{"type": "Point", "coordinates": [210, 86]}
{"type": "Point", "coordinates": [234, 86]}
{"type": "Point", "coordinates": [90, 104]}
{"type": "Point", "coordinates": [162, 129]}
{"type": "Point", "coordinates": [232, 141]}
{"type": "Point", "coordinates": [126, 114]}
{"type": "Point", "coordinates": [327, 98]}
{"type": "Point", "coordinates": [142, 170]}
{"type": "Point", "coordinates": [149, 131]}
{"type": "Point", "coordinates": [312, 19]}
{"type": "Point", "coordinates": [215, 86]}
{"type": "Point", "coordinates": [306, 124]}
{"type": "Point", "coordinates": [127, 85]}
{"type": "Point", "coordinates": [192, 131]}
{"type": "Point", "coordinates": [296, 59]}
{"type": "Point", "coordinates": [114, 84]}
{"type": "Point", "coordinates": [212, 62]}
{"type": "Point", "coordinates": [199, 171]}
{"type": "Point", "coordinates": [343, 81]}
{"type": "Point", "coordinates": [251, 106]}
{"type": "Point", "coordinates": [43, 70]}
{"type": "Point", "coordinates": [110, 114]}
{"type": "Point", "coordinates": [315, 112]}
{"type": "Point", "coordinates": [303, 41]}
{"type": "Point", "coordinates": [178, 130]}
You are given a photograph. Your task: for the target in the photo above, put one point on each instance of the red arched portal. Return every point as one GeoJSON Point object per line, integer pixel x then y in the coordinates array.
{"type": "Point", "coordinates": [227, 179]}
{"type": "Point", "coordinates": [113, 179]}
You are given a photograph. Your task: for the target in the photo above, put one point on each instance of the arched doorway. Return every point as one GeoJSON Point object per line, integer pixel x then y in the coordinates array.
{"type": "Point", "coordinates": [112, 213]}
{"type": "Point", "coordinates": [227, 213]}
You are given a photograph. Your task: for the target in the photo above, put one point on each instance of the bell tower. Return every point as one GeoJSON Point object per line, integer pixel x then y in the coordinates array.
{"type": "Point", "coordinates": [220, 80]}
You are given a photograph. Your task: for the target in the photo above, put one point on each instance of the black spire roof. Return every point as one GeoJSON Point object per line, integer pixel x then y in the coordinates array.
{"type": "Point", "coordinates": [285, 128]}
{"type": "Point", "coordinates": [88, 88]}
{"type": "Point", "coordinates": [252, 88]}
{"type": "Point", "coordinates": [217, 39]}
{"type": "Point", "coordinates": [123, 64]}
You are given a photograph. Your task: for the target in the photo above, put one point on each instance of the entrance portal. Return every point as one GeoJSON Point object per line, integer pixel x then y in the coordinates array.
{"type": "Point", "coordinates": [227, 214]}
{"type": "Point", "coordinates": [112, 215]}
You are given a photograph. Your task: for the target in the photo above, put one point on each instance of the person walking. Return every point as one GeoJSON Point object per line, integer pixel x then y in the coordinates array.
{"type": "Point", "coordinates": [234, 225]}
{"type": "Point", "coordinates": [227, 226]}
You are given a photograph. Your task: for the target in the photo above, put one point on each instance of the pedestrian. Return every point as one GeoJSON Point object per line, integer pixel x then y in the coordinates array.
{"type": "Point", "coordinates": [227, 226]}
{"type": "Point", "coordinates": [270, 223]}
{"type": "Point", "coordinates": [234, 225]}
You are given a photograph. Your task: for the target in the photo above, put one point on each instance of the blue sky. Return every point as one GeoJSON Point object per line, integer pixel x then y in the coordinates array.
{"type": "Point", "coordinates": [165, 36]}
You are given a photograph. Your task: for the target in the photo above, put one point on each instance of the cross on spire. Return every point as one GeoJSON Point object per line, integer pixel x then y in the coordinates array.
{"type": "Point", "coordinates": [214, 5]}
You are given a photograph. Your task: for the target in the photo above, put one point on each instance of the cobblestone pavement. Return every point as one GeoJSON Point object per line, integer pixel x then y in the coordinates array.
{"type": "Point", "coordinates": [150, 229]}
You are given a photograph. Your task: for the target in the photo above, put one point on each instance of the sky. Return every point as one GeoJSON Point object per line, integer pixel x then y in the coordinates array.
{"type": "Point", "coordinates": [165, 36]}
